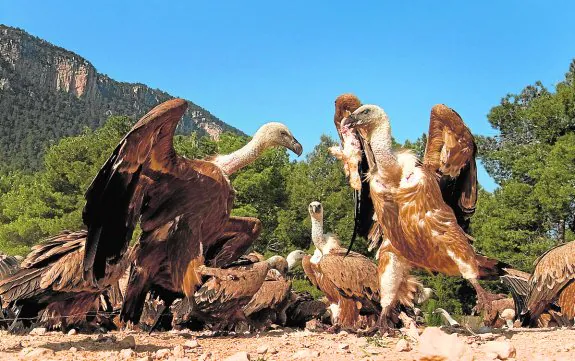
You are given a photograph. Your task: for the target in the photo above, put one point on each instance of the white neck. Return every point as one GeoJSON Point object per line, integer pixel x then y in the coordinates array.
{"type": "Point", "coordinates": [231, 163]}
{"type": "Point", "coordinates": [292, 262]}
{"type": "Point", "coordinates": [381, 146]}
{"type": "Point", "coordinates": [317, 232]}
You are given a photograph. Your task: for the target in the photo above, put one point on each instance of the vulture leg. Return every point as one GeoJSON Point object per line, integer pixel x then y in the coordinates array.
{"type": "Point", "coordinates": [392, 272]}
{"type": "Point", "coordinates": [484, 298]}
{"type": "Point", "coordinates": [147, 265]}
{"type": "Point", "coordinates": [239, 234]}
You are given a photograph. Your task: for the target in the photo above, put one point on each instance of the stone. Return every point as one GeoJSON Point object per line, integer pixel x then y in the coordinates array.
{"type": "Point", "coordinates": [343, 346]}
{"type": "Point", "coordinates": [272, 351]}
{"type": "Point", "coordinates": [205, 356]}
{"type": "Point", "coordinates": [239, 356]}
{"type": "Point", "coordinates": [435, 343]}
{"type": "Point", "coordinates": [145, 358]}
{"type": "Point", "coordinates": [72, 332]}
{"type": "Point", "coordinates": [73, 349]}
{"type": "Point", "coordinates": [372, 350]}
{"type": "Point", "coordinates": [487, 336]}
{"type": "Point", "coordinates": [178, 351]}
{"type": "Point", "coordinates": [262, 350]}
{"type": "Point", "coordinates": [314, 325]}
{"type": "Point", "coordinates": [191, 344]}
{"type": "Point", "coordinates": [36, 352]}
{"type": "Point", "coordinates": [305, 354]}
{"type": "Point", "coordinates": [38, 331]}
{"type": "Point", "coordinates": [128, 342]}
{"type": "Point", "coordinates": [126, 353]}
{"type": "Point", "coordinates": [343, 333]}
{"type": "Point", "coordinates": [402, 346]}
{"type": "Point", "coordinates": [162, 353]}
{"type": "Point", "coordinates": [503, 349]}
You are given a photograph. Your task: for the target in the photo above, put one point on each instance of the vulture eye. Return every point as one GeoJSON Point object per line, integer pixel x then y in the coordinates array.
{"type": "Point", "coordinates": [366, 111]}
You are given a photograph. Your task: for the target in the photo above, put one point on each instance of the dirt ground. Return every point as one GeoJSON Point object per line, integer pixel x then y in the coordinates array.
{"type": "Point", "coordinates": [279, 344]}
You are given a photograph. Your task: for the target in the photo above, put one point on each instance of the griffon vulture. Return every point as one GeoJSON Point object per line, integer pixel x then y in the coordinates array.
{"type": "Point", "coordinates": [183, 206]}
{"type": "Point", "coordinates": [50, 280]}
{"type": "Point", "coordinates": [552, 284]}
{"type": "Point", "coordinates": [421, 225]}
{"type": "Point", "coordinates": [349, 282]}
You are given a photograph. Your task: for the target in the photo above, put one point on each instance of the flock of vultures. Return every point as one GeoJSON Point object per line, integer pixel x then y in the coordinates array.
{"type": "Point", "coordinates": [190, 266]}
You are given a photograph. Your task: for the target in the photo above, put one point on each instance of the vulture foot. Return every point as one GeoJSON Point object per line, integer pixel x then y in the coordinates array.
{"type": "Point", "coordinates": [485, 300]}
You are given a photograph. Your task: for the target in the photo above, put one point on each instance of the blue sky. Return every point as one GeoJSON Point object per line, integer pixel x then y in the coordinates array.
{"type": "Point", "coordinates": [250, 62]}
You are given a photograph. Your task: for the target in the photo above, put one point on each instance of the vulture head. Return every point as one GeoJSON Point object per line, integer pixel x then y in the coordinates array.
{"type": "Point", "coordinates": [294, 258]}
{"type": "Point", "coordinates": [278, 263]}
{"type": "Point", "coordinates": [366, 117]}
{"type": "Point", "coordinates": [315, 210]}
{"type": "Point", "coordinates": [277, 135]}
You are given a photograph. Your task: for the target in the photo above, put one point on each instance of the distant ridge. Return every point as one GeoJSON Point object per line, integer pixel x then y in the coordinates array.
{"type": "Point", "coordinates": [47, 92]}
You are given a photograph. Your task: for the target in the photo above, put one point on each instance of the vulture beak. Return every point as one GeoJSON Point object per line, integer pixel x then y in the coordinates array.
{"type": "Point", "coordinates": [315, 208]}
{"type": "Point", "coordinates": [295, 147]}
{"type": "Point", "coordinates": [350, 121]}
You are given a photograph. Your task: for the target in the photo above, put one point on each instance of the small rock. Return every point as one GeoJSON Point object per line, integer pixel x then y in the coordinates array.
{"type": "Point", "coordinates": [489, 356]}
{"type": "Point", "coordinates": [73, 349]}
{"type": "Point", "coordinates": [205, 356]}
{"type": "Point", "coordinates": [72, 332]}
{"type": "Point", "coordinates": [191, 344]}
{"type": "Point", "coordinates": [145, 358]}
{"type": "Point", "coordinates": [305, 354]}
{"type": "Point", "coordinates": [179, 351]}
{"type": "Point", "coordinates": [36, 352]}
{"type": "Point", "coordinates": [343, 333]}
{"type": "Point", "coordinates": [272, 351]}
{"type": "Point", "coordinates": [128, 342]}
{"type": "Point", "coordinates": [126, 353]}
{"type": "Point", "coordinates": [38, 331]}
{"type": "Point", "coordinates": [487, 336]}
{"type": "Point", "coordinates": [314, 325]}
{"type": "Point", "coordinates": [436, 343]}
{"type": "Point", "coordinates": [239, 356]}
{"type": "Point", "coordinates": [402, 346]}
{"type": "Point", "coordinates": [343, 346]}
{"type": "Point", "coordinates": [503, 349]}
{"type": "Point", "coordinates": [162, 353]}
{"type": "Point", "coordinates": [262, 349]}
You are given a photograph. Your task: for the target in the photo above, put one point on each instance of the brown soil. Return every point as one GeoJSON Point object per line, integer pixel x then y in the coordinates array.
{"type": "Point", "coordinates": [540, 345]}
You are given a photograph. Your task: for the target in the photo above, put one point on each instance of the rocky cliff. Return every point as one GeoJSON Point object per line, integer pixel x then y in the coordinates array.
{"type": "Point", "coordinates": [47, 92]}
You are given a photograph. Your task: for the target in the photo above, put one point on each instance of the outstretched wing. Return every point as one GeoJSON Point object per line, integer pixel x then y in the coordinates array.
{"type": "Point", "coordinates": [450, 152]}
{"type": "Point", "coordinates": [554, 270]}
{"type": "Point", "coordinates": [517, 282]}
{"type": "Point", "coordinates": [115, 197]}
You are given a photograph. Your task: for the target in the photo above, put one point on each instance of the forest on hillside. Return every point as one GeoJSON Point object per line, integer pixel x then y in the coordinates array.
{"type": "Point", "coordinates": [532, 160]}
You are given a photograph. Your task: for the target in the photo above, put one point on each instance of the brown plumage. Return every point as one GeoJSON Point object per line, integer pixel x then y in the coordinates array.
{"type": "Point", "coordinates": [221, 299]}
{"type": "Point", "coordinates": [349, 282]}
{"type": "Point", "coordinates": [270, 302]}
{"type": "Point", "coordinates": [419, 227]}
{"type": "Point", "coordinates": [302, 308]}
{"type": "Point", "coordinates": [51, 279]}
{"type": "Point", "coordinates": [552, 281]}
{"type": "Point", "coordinates": [183, 206]}
{"type": "Point", "coordinates": [8, 265]}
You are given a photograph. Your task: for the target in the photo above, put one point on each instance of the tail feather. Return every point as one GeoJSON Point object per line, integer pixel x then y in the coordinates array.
{"type": "Point", "coordinates": [490, 269]}
{"type": "Point", "coordinates": [135, 297]}
{"type": "Point", "coordinates": [518, 285]}
{"type": "Point", "coordinates": [408, 290]}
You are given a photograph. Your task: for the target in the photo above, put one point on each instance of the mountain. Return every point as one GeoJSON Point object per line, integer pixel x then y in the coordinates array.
{"type": "Point", "coordinates": [47, 92]}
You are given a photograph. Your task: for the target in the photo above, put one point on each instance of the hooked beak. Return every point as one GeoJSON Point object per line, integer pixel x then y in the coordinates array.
{"type": "Point", "coordinates": [315, 208]}
{"type": "Point", "coordinates": [295, 147]}
{"type": "Point", "coordinates": [350, 121]}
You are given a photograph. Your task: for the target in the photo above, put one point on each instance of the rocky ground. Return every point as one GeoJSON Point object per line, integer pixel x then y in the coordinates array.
{"type": "Point", "coordinates": [285, 344]}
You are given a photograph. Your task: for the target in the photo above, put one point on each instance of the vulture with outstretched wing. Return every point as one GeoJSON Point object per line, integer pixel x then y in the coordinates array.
{"type": "Point", "coordinates": [552, 282]}
{"type": "Point", "coordinates": [183, 206]}
{"type": "Point", "coordinates": [421, 207]}
{"type": "Point", "coordinates": [50, 280]}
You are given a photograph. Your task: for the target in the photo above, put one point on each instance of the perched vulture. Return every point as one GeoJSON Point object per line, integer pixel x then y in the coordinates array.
{"type": "Point", "coordinates": [222, 299]}
{"type": "Point", "coordinates": [552, 284]}
{"type": "Point", "coordinates": [270, 302]}
{"type": "Point", "coordinates": [183, 206]}
{"type": "Point", "coordinates": [8, 266]}
{"type": "Point", "coordinates": [422, 207]}
{"type": "Point", "coordinates": [349, 282]}
{"type": "Point", "coordinates": [50, 280]}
